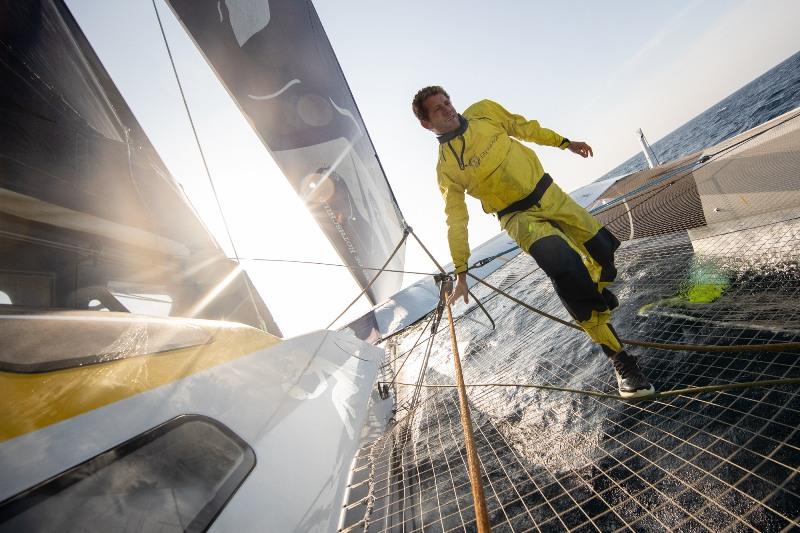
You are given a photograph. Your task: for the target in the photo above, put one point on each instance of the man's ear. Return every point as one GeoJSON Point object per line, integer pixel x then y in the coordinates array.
{"type": "Point", "coordinates": [425, 124]}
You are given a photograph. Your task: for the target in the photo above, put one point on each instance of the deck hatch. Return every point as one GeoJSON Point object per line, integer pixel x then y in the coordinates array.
{"type": "Point", "coordinates": [175, 477]}
{"type": "Point", "coordinates": [51, 341]}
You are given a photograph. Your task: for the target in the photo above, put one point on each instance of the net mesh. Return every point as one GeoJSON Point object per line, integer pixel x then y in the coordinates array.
{"type": "Point", "coordinates": [721, 461]}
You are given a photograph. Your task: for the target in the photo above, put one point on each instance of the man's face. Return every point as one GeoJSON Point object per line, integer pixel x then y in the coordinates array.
{"type": "Point", "coordinates": [442, 116]}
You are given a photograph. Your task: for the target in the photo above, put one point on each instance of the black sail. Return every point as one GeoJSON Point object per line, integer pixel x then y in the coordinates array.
{"type": "Point", "coordinates": [275, 59]}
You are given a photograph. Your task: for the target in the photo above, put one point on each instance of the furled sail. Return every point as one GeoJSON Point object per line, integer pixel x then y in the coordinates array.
{"type": "Point", "coordinates": [277, 63]}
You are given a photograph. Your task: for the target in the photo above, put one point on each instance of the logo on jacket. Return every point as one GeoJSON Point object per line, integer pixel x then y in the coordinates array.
{"type": "Point", "coordinates": [475, 161]}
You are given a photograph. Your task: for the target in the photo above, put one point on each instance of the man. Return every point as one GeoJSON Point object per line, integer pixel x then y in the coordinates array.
{"type": "Point", "coordinates": [479, 155]}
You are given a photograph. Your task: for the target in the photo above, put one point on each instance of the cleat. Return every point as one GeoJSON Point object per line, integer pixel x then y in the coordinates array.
{"type": "Point", "coordinates": [631, 382]}
{"type": "Point", "coordinates": [610, 298]}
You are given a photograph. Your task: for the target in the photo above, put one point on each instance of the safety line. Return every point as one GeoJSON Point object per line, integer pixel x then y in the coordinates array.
{"type": "Point", "coordinates": [463, 315]}
{"type": "Point", "coordinates": [437, 316]}
{"type": "Point", "coordinates": [442, 271]}
{"type": "Point", "coordinates": [769, 347]}
{"type": "Point", "coordinates": [688, 391]}
{"type": "Point", "coordinates": [482, 262]}
{"type": "Point", "coordinates": [523, 304]}
{"type": "Point", "coordinates": [486, 260]}
{"type": "Point", "coordinates": [374, 279]}
{"type": "Point", "coordinates": [353, 268]}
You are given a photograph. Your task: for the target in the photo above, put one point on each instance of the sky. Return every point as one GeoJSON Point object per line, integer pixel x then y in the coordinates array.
{"type": "Point", "coordinates": [592, 71]}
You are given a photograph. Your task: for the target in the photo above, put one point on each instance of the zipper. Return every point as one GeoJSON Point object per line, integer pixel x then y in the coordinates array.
{"type": "Point", "coordinates": [463, 146]}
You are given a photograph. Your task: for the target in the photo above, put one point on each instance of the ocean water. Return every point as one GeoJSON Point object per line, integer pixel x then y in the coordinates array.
{"type": "Point", "coordinates": [766, 97]}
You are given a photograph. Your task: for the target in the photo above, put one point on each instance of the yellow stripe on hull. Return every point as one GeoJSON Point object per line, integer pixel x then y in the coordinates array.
{"type": "Point", "coordinates": [34, 401]}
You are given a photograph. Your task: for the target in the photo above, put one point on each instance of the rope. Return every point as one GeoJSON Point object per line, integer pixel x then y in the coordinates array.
{"type": "Point", "coordinates": [523, 304]}
{"type": "Point", "coordinates": [396, 249]}
{"type": "Point", "coordinates": [464, 315]}
{"type": "Point", "coordinates": [473, 466]}
{"type": "Point", "coordinates": [261, 320]}
{"type": "Point", "coordinates": [480, 304]}
{"type": "Point", "coordinates": [770, 347]}
{"type": "Point", "coordinates": [665, 394]}
{"type": "Point", "coordinates": [442, 271]}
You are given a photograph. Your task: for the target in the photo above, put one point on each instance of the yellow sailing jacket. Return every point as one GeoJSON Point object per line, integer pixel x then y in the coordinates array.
{"type": "Point", "coordinates": [486, 163]}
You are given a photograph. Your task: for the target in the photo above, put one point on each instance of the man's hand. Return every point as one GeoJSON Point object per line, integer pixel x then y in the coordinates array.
{"type": "Point", "coordinates": [460, 289]}
{"type": "Point", "coordinates": [580, 148]}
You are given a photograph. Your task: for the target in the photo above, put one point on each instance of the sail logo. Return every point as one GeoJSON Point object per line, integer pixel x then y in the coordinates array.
{"type": "Point", "coordinates": [342, 233]}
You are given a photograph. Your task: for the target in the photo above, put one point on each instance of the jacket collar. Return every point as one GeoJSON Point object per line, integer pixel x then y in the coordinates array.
{"type": "Point", "coordinates": [462, 127]}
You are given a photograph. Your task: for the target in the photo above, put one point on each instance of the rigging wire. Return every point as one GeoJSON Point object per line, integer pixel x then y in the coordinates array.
{"type": "Point", "coordinates": [480, 263]}
{"type": "Point", "coordinates": [297, 261]}
{"type": "Point", "coordinates": [416, 343]}
{"type": "Point", "coordinates": [447, 275]}
{"type": "Point", "coordinates": [687, 391]}
{"type": "Point", "coordinates": [437, 317]}
{"type": "Point", "coordinates": [374, 279]}
{"type": "Point", "coordinates": [262, 322]}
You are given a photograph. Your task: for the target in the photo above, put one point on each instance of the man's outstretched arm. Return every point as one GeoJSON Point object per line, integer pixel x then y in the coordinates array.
{"type": "Point", "coordinates": [580, 148]}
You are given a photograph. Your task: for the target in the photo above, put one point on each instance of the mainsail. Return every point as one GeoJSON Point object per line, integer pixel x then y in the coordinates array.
{"type": "Point", "coordinates": [277, 63]}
